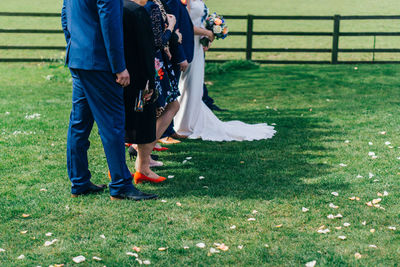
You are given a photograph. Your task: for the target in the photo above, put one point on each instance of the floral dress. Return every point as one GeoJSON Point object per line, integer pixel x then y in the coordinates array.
{"type": "Point", "coordinates": [165, 80]}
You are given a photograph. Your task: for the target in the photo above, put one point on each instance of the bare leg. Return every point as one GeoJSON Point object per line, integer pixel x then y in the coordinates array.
{"type": "Point", "coordinates": [166, 118]}
{"type": "Point", "coordinates": [143, 160]}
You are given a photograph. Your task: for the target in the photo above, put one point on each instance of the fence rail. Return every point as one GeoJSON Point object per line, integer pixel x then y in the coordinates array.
{"type": "Point", "coordinates": [334, 51]}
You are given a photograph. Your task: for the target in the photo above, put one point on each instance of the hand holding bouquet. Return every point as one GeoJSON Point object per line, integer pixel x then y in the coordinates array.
{"type": "Point", "coordinates": [216, 24]}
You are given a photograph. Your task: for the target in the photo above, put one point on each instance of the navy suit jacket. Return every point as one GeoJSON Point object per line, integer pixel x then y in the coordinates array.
{"type": "Point", "coordinates": [94, 34]}
{"type": "Point", "coordinates": [184, 23]}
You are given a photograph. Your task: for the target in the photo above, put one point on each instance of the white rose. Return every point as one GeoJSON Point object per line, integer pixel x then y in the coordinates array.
{"type": "Point", "coordinates": [217, 29]}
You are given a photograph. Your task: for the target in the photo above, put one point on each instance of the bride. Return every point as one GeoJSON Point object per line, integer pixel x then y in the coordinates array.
{"type": "Point", "coordinates": [194, 119]}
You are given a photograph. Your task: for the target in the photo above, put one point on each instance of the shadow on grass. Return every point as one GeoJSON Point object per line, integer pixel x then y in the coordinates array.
{"type": "Point", "coordinates": [290, 164]}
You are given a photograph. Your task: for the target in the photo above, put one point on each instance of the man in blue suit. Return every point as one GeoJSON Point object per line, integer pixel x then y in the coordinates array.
{"type": "Point", "coordinates": [183, 54]}
{"type": "Point", "coordinates": [95, 55]}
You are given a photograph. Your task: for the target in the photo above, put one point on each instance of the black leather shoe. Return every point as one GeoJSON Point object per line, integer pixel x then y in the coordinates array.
{"type": "Point", "coordinates": [134, 195]}
{"type": "Point", "coordinates": [92, 189]}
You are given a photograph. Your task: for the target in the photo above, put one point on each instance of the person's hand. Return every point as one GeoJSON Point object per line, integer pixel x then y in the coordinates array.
{"type": "Point", "coordinates": [123, 78]}
{"type": "Point", "coordinates": [184, 65]}
{"type": "Point", "coordinates": [148, 94]}
{"type": "Point", "coordinates": [167, 52]}
{"type": "Point", "coordinates": [210, 36]}
{"type": "Point", "coordinates": [179, 34]}
{"type": "Point", "coordinates": [171, 21]}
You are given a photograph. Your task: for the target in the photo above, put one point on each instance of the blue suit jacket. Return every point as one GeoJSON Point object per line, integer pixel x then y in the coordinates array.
{"type": "Point", "coordinates": [184, 23]}
{"type": "Point", "coordinates": [94, 34]}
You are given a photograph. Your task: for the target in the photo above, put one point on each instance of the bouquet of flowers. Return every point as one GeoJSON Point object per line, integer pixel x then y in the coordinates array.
{"type": "Point", "coordinates": [216, 24]}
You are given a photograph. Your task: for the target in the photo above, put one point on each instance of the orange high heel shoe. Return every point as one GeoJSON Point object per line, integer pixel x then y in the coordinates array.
{"type": "Point", "coordinates": [140, 178]}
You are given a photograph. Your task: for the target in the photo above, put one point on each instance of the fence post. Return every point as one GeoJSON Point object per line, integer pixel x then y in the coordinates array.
{"type": "Point", "coordinates": [249, 46]}
{"type": "Point", "coordinates": [335, 39]}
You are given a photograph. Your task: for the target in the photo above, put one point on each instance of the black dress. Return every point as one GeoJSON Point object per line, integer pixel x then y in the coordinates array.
{"type": "Point", "coordinates": [139, 56]}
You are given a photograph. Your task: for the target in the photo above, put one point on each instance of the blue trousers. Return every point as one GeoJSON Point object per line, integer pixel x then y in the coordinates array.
{"type": "Point", "coordinates": [97, 97]}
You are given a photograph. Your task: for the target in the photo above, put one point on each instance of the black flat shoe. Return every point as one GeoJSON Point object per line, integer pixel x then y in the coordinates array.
{"type": "Point", "coordinates": [134, 195]}
{"type": "Point", "coordinates": [133, 153]}
{"type": "Point", "coordinates": [92, 189]}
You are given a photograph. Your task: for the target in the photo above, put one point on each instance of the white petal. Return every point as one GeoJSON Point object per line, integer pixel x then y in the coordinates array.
{"type": "Point", "coordinates": [79, 259]}
{"type": "Point", "coordinates": [385, 193]}
{"type": "Point", "coordinates": [342, 165]}
{"type": "Point", "coordinates": [371, 153]}
{"type": "Point", "coordinates": [364, 223]}
{"type": "Point", "coordinates": [251, 219]}
{"type": "Point", "coordinates": [189, 158]}
{"type": "Point", "coordinates": [304, 209]}
{"type": "Point", "coordinates": [330, 216]}
{"type": "Point", "coordinates": [2, 250]}
{"type": "Point", "coordinates": [185, 247]}
{"type": "Point", "coordinates": [335, 194]}
{"type": "Point", "coordinates": [49, 234]}
{"type": "Point", "coordinates": [240, 247]}
{"type": "Point", "coordinates": [170, 176]}
{"type": "Point", "coordinates": [376, 201]}
{"type": "Point", "coordinates": [233, 227]}
{"type": "Point", "coordinates": [357, 256]}
{"type": "Point", "coordinates": [342, 237]}
{"type": "Point", "coordinates": [371, 175]}
{"type": "Point", "coordinates": [333, 206]}
{"type": "Point", "coordinates": [346, 224]}
{"type": "Point", "coordinates": [213, 250]}
{"type": "Point", "coordinates": [387, 143]}
{"type": "Point", "coordinates": [132, 254]}
{"type": "Point", "coordinates": [43, 190]}
{"type": "Point", "coordinates": [97, 258]}
{"type": "Point", "coordinates": [323, 231]}
{"type": "Point", "coordinates": [201, 177]}
{"type": "Point", "coordinates": [21, 257]}
{"type": "Point", "coordinates": [347, 141]}
{"type": "Point", "coordinates": [392, 228]}
{"type": "Point", "coordinates": [359, 176]}
{"type": "Point", "coordinates": [103, 236]}
{"type": "Point", "coordinates": [254, 212]}
{"type": "Point", "coordinates": [184, 161]}
{"type": "Point", "coordinates": [163, 201]}
{"type": "Point", "coordinates": [370, 143]}
{"type": "Point", "coordinates": [200, 245]}
{"type": "Point", "coordinates": [383, 133]}
{"type": "Point", "coordinates": [372, 246]}
{"type": "Point", "coordinates": [339, 215]}
{"type": "Point", "coordinates": [311, 264]}
{"type": "Point", "coordinates": [146, 262]}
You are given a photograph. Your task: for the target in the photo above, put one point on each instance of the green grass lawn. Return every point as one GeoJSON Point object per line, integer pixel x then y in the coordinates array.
{"type": "Point", "coordinates": [237, 7]}
{"type": "Point", "coordinates": [316, 109]}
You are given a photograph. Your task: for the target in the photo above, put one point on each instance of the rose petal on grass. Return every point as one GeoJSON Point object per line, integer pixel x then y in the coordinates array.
{"type": "Point", "coordinates": [213, 250]}
{"type": "Point", "coordinates": [146, 262]}
{"type": "Point", "coordinates": [372, 230]}
{"type": "Point", "coordinates": [162, 249]}
{"type": "Point", "coordinates": [370, 143]}
{"type": "Point", "coordinates": [342, 237]}
{"type": "Point", "coordinates": [279, 226]}
{"type": "Point", "coordinates": [49, 243]}
{"type": "Point", "coordinates": [254, 212]}
{"type": "Point", "coordinates": [240, 247]}
{"type": "Point", "coordinates": [371, 154]}
{"type": "Point", "coordinates": [323, 231]}
{"type": "Point", "coordinates": [364, 223]}
{"type": "Point", "coordinates": [376, 201]}
{"type": "Point", "coordinates": [21, 257]}
{"type": "Point", "coordinates": [223, 247]}
{"type": "Point", "coordinates": [387, 143]}
{"type": "Point", "coordinates": [333, 206]}
{"type": "Point", "coordinates": [372, 246]}
{"type": "Point", "coordinates": [338, 228]}
{"type": "Point", "coordinates": [335, 194]}
{"type": "Point", "coordinates": [233, 227]}
{"type": "Point", "coordinates": [266, 245]}
{"type": "Point", "coordinates": [163, 201]}
{"type": "Point", "coordinates": [43, 190]}
{"type": "Point", "coordinates": [189, 158]}
{"type": "Point", "coordinates": [369, 204]}
{"type": "Point", "coordinates": [132, 254]}
{"type": "Point", "coordinates": [251, 219]}
{"type": "Point", "coordinates": [392, 228]}
{"type": "Point", "coordinates": [48, 234]}
{"type": "Point", "coordinates": [303, 209]}
{"type": "Point", "coordinates": [135, 248]}
{"type": "Point", "coordinates": [357, 256]}
{"type": "Point", "coordinates": [339, 215]}
{"type": "Point", "coordinates": [201, 177]}
{"type": "Point", "coordinates": [179, 204]}
{"type": "Point", "coordinates": [103, 236]}
{"type": "Point", "coordinates": [171, 176]}
{"type": "Point", "coordinates": [25, 215]}
{"type": "Point", "coordinates": [346, 224]}
{"type": "Point", "coordinates": [342, 165]}
{"type": "Point", "coordinates": [370, 175]}
{"type": "Point", "coordinates": [359, 176]}
{"type": "Point", "coordinates": [97, 258]}
{"type": "Point", "coordinates": [347, 141]}
{"type": "Point", "coordinates": [23, 232]}
{"type": "Point", "coordinates": [185, 247]}
{"type": "Point", "coordinates": [311, 264]}
{"type": "Point", "coordinates": [383, 133]}
{"type": "Point", "coordinates": [379, 194]}
{"type": "Point", "coordinates": [184, 161]}
{"type": "Point", "coordinates": [200, 245]}
{"type": "Point", "coordinates": [330, 216]}
{"type": "Point", "coordinates": [79, 259]}
{"type": "Point", "coordinates": [2, 250]}
{"type": "Point", "coordinates": [385, 193]}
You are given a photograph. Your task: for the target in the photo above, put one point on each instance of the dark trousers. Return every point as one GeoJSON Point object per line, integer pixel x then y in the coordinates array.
{"type": "Point", "coordinates": [97, 97]}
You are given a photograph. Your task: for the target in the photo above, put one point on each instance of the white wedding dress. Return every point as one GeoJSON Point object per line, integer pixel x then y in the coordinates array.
{"type": "Point", "coordinates": [194, 118]}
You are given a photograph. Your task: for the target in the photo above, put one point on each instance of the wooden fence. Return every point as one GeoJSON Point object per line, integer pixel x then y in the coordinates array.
{"type": "Point", "coordinates": [250, 33]}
